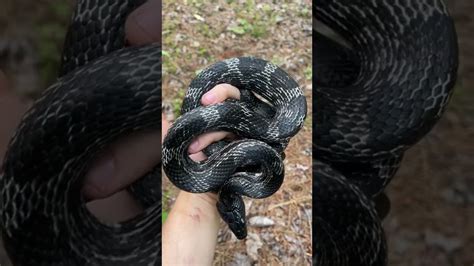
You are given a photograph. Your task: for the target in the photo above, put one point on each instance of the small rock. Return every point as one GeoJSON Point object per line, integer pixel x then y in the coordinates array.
{"type": "Point", "coordinates": [292, 240]}
{"type": "Point", "coordinates": [261, 221]}
{"type": "Point", "coordinates": [401, 245]}
{"type": "Point", "coordinates": [449, 244]}
{"type": "Point", "coordinates": [278, 250]}
{"type": "Point", "coordinates": [405, 240]}
{"type": "Point", "coordinates": [301, 167]}
{"type": "Point", "coordinates": [253, 244]}
{"type": "Point", "coordinates": [224, 235]}
{"type": "Point", "coordinates": [241, 259]}
{"type": "Point", "coordinates": [450, 195]}
{"type": "Point", "coordinates": [198, 17]}
{"type": "Point", "coordinates": [309, 213]}
{"type": "Point", "coordinates": [267, 237]}
{"type": "Point", "coordinates": [179, 37]}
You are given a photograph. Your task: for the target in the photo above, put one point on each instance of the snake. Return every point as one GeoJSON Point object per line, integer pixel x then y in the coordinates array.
{"type": "Point", "coordinates": [271, 109]}
{"type": "Point", "coordinates": [380, 86]}
{"type": "Point", "coordinates": [105, 90]}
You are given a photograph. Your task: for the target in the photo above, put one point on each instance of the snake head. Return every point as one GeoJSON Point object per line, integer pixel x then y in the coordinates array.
{"type": "Point", "coordinates": [232, 210]}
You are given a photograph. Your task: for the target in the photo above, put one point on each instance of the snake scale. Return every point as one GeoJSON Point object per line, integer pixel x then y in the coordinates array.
{"type": "Point", "coordinates": [252, 165]}
{"type": "Point", "coordinates": [379, 90]}
{"type": "Point", "coordinates": [105, 90]}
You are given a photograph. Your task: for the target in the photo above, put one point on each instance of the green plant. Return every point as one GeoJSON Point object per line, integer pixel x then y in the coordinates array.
{"type": "Point", "coordinates": [50, 39]}
{"type": "Point", "coordinates": [257, 29]}
{"type": "Point", "coordinates": [305, 12]}
{"type": "Point", "coordinates": [308, 122]}
{"type": "Point", "coordinates": [308, 73]}
{"type": "Point", "coordinates": [177, 101]}
{"type": "Point", "coordinates": [164, 203]}
{"type": "Point", "coordinates": [164, 216]}
{"type": "Point", "coordinates": [276, 60]}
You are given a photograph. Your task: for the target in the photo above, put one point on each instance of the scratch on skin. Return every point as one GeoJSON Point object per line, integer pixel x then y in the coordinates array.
{"type": "Point", "coordinates": [196, 215]}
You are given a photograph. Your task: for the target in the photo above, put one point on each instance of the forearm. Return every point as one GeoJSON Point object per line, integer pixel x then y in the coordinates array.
{"type": "Point", "coordinates": [190, 231]}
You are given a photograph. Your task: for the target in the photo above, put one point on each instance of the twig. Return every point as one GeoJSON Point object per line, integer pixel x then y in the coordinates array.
{"type": "Point", "coordinates": [294, 201]}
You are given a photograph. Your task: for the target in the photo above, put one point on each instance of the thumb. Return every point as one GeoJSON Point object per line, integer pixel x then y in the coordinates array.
{"type": "Point", "coordinates": [122, 164]}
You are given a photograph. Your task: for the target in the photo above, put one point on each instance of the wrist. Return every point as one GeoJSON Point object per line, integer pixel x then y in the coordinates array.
{"type": "Point", "coordinates": [209, 198]}
{"type": "Point", "coordinates": [190, 231]}
{"type": "Point", "coordinates": [194, 204]}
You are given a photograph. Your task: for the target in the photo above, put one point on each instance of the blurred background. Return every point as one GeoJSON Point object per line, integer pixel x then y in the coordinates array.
{"type": "Point", "coordinates": [431, 221]}
{"type": "Point", "coordinates": [432, 217]}
{"type": "Point", "coordinates": [31, 37]}
{"type": "Point", "coordinates": [196, 33]}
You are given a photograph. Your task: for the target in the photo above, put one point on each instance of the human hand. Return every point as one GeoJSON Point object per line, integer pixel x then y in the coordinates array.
{"type": "Point", "coordinates": [217, 94]}
{"type": "Point", "coordinates": [190, 231]}
{"type": "Point", "coordinates": [131, 157]}
{"type": "Point", "coordinates": [123, 162]}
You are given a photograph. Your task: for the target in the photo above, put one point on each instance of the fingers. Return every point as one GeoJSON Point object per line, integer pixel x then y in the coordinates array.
{"type": "Point", "coordinates": [143, 25]}
{"type": "Point", "coordinates": [132, 157]}
{"type": "Point", "coordinates": [106, 210]}
{"type": "Point", "coordinates": [220, 93]}
{"type": "Point", "coordinates": [217, 94]}
{"type": "Point", "coordinates": [121, 164]}
{"type": "Point", "coordinates": [206, 139]}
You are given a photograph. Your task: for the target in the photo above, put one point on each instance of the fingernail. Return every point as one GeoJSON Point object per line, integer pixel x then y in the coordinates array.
{"type": "Point", "coordinates": [194, 147]}
{"type": "Point", "coordinates": [209, 98]}
{"type": "Point", "coordinates": [100, 176]}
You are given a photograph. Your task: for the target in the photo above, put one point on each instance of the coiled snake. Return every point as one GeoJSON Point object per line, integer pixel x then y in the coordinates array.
{"type": "Point", "coordinates": [374, 98]}
{"type": "Point", "coordinates": [104, 91]}
{"type": "Point", "coordinates": [251, 166]}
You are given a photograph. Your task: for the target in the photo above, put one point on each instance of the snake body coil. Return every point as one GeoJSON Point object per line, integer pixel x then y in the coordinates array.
{"type": "Point", "coordinates": [374, 98]}
{"type": "Point", "coordinates": [251, 166]}
{"type": "Point", "coordinates": [104, 91]}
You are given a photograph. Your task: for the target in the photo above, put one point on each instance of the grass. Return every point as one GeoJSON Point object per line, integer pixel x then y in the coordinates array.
{"type": "Point", "coordinates": [176, 103]}
{"type": "Point", "coordinates": [244, 27]}
{"type": "Point", "coordinates": [50, 39]}
{"type": "Point", "coordinates": [164, 204]}
{"type": "Point", "coordinates": [308, 73]}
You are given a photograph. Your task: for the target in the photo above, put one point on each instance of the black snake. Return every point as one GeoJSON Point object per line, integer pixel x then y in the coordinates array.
{"type": "Point", "coordinates": [104, 90]}
{"type": "Point", "coordinates": [378, 92]}
{"type": "Point", "coordinates": [252, 165]}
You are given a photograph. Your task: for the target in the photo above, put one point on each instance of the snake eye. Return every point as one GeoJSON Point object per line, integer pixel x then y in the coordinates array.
{"type": "Point", "coordinates": [234, 219]}
{"type": "Point", "coordinates": [240, 232]}
{"type": "Point", "coordinates": [238, 227]}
